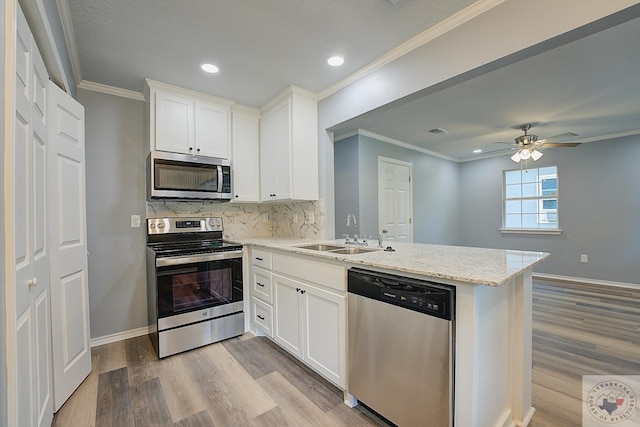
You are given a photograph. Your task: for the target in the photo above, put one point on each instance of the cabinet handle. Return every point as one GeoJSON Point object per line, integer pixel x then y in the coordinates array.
{"type": "Point", "coordinates": [302, 291]}
{"type": "Point", "coordinates": [32, 282]}
{"type": "Point", "coordinates": [198, 150]}
{"type": "Point", "coordinates": [297, 289]}
{"type": "Point", "coordinates": [237, 196]}
{"type": "Point", "coordinates": [190, 148]}
{"type": "Point", "coordinates": [259, 259]}
{"type": "Point", "coordinates": [260, 317]}
{"type": "Point", "coordinates": [259, 284]}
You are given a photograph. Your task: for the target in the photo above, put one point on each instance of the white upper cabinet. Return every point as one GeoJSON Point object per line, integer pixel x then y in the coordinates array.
{"type": "Point", "coordinates": [245, 124]}
{"type": "Point", "coordinates": [188, 122]}
{"type": "Point", "coordinates": [289, 147]}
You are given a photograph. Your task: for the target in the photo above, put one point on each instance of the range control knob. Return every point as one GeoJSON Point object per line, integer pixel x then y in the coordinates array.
{"type": "Point", "coordinates": [160, 225]}
{"type": "Point", "coordinates": [152, 226]}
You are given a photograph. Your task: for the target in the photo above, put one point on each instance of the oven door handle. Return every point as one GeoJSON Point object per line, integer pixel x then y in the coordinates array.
{"type": "Point", "coordinates": [191, 259]}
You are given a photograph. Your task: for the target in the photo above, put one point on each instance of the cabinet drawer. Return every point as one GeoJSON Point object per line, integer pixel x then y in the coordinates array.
{"type": "Point", "coordinates": [329, 275]}
{"type": "Point", "coordinates": [261, 285]}
{"type": "Point", "coordinates": [261, 258]}
{"type": "Point", "coordinates": [262, 316]}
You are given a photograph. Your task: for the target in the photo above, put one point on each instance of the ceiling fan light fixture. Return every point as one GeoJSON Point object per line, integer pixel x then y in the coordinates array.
{"type": "Point", "coordinates": [535, 155]}
{"type": "Point", "coordinates": [516, 157]}
{"type": "Point", "coordinates": [525, 154]}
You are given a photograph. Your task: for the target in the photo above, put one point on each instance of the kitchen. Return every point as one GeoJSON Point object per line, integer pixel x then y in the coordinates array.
{"type": "Point", "coordinates": [116, 263]}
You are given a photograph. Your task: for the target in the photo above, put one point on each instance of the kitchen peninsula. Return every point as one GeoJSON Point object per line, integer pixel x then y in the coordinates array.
{"type": "Point", "coordinates": [493, 314]}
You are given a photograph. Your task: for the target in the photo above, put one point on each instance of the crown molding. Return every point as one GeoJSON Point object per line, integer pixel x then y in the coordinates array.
{"type": "Point", "coordinates": [70, 39]}
{"type": "Point", "coordinates": [111, 90]}
{"type": "Point", "coordinates": [392, 141]}
{"type": "Point", "coordinates": [437, 30]}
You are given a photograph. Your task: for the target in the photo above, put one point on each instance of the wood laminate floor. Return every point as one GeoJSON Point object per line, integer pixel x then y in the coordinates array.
{"type": "Point", "coordinates": [578, 329]}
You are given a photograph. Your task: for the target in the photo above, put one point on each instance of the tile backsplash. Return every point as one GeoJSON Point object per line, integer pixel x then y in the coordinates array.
{"type": "Point", "coordinates": [305, 220]}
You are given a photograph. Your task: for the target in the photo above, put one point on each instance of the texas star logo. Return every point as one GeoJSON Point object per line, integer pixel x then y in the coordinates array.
{"type": "Point", "coordinates": [611, 401]}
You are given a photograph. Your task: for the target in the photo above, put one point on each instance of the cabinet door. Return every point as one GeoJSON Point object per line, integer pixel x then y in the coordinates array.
{"type": "Point", "coordinates": [267, 155]}
{"type": "Point", "coordinates": [281, 166]}
{"type": "Point", "coordinates": [174, 123]}
{"type": "Point", "coordinates": [245, 143]}
{"type": "Point", "coordinates": [211, 129]}
{"type": "Point", "coordinates": [325, 332]}
{"type": "Point", "coordinates": [288, 317]}
{"type": "Point", "coordinates": [275, 153]}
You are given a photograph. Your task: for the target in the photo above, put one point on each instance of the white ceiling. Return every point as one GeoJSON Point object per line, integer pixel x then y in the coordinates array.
{"type": "Point", "coordinates": [589, 86]}
{"type": "Point", "coordinates": [261, 46]}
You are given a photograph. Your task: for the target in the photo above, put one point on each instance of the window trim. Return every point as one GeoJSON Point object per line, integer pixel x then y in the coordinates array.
{"type": "Point", "coordinates": [531, 230]}
{"type": "Point", "coordinates": [539, 231]}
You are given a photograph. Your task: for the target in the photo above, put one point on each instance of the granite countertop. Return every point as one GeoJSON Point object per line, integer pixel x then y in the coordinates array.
{"type": "Point", "coordinates": [492, 267]}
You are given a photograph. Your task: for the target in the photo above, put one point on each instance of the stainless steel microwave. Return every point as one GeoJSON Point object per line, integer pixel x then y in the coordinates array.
{"type": "Point", "coordinates": [183, 176]}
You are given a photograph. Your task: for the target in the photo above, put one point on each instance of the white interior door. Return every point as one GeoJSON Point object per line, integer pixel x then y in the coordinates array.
{"type": "Point", "coordinates": [30, 358]}
{"type": "Point", "coordinates": [68, 253]}
{"type": "Point", "coordinates": [395, 204]}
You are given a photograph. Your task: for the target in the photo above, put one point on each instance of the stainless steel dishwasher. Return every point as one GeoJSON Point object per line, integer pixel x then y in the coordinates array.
{"type": "Point", "coordinates": [401, 347]}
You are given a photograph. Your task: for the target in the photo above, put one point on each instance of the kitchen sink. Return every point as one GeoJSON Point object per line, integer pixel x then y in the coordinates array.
{"type": "Point", "coordinates": [321, 247]}
{"type": "Point", "coordinates": [352, 251]}
{"type": "Point", "coordinates": [334, 249]}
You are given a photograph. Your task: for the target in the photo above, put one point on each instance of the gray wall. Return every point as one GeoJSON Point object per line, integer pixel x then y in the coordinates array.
{"type": "Point", "coordinates": [3, 325]}
{"type": "Point", "coordinates": [435, 189]}
{"type": "Point", "coordinates": [599, 210]}
{"type": "Point", "coordinates": [115, 167]}
{"type": "Point", "coordinates": [347, 191]}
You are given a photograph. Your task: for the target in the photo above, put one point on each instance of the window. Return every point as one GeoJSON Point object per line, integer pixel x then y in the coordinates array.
{"type": "Point", "coordinates": [530, 199]}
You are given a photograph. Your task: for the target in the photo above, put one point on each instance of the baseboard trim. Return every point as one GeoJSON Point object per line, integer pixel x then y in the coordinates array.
{"type": "Point", "coordinates": [587, 281]}
{"type": "Point", "coordinates": [108, 339]}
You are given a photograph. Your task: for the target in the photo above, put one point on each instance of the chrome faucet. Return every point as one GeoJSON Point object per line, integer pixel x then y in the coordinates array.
{"type": "Point", "coordinates": [351, 220]}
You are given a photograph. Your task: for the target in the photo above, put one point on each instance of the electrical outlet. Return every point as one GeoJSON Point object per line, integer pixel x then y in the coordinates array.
{"type": "Point", "coordinates": [135, 221]}
{"type": "Point", "coordinates": [584, 258]}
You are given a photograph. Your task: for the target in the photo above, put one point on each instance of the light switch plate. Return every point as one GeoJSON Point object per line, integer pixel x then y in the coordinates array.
{"type": "Point", "coordinates": [135, 221]}
{"type": "Point", "coordinates": [584, 258]}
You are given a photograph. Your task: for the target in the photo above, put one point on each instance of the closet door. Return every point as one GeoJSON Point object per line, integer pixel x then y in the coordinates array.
{"type": "Point", "coordinates": [32, 350]}
{"type": "Point", "coordinates": [68, 252]}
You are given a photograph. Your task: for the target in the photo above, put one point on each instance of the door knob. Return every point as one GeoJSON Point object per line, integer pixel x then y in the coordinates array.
{"type": "Point", "coordinates": [32, 282]}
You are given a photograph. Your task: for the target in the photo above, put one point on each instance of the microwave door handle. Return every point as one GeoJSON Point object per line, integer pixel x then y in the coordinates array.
{"type": "Point", "coordinates": [219, 189]}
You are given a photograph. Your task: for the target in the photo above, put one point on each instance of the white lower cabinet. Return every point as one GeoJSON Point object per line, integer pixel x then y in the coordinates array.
{"type": "Point", "coordinates": [301, 304]}
{"type": "Point", "coordinates": [262, 316]}
{"type": "Point", "coordinates": [310, 323]}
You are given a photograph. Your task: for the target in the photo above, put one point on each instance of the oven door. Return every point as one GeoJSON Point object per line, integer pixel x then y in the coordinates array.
{"type": "Point", "coordinates": [187, 292]}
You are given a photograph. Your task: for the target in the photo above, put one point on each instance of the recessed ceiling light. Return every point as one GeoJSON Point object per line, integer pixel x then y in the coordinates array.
{"type": "Point", "coordinates": [477, 151]}
{"type": "Point", "coordinates": [209, 68]}
{"type": "Point", "coordinates": [335, 61]}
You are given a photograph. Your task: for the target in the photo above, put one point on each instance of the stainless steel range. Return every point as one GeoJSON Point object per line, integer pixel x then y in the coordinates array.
{"type": "Point", "coordinates": [194, 281]}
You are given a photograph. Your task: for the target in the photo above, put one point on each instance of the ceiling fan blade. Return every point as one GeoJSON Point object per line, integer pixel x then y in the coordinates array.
{"type": "Point", "coordinates": [502, 142]}
{"type": "Point", "coordinates": [561, 144]}
{"type": "Point", "coordinates": [556, 137]}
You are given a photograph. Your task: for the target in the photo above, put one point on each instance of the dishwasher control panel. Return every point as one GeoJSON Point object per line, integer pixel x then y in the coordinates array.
{"type": "Point", "coordinates": [431, 304]}
{"type": "Point", "coordinates": [424, 296]}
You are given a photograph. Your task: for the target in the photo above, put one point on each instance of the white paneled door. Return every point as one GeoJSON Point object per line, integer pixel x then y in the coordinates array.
{"type": "Point", "coordinates": [68, 252]}
{"type": "Point", "coordinates": [28, 296]}
{"type": "Point", "coordinates": [395, 205]}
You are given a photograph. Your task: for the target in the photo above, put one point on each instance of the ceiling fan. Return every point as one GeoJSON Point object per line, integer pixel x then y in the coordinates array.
{"type": "Point", "coordinates": [527, 144]}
